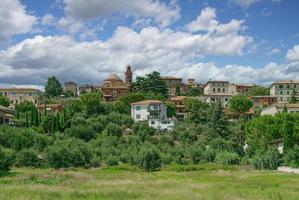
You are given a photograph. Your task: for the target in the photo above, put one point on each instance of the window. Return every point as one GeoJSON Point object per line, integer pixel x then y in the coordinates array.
{"type": "Point", "coordinates": [280, 98]}
{"type": "Point", "coordinates": [280, 86]}
{"type": "Point", "coordinates": [294, 86]}
{"type": "Point", "coordinates": [114, 93]}
{"type": "Point", "coordinates": [226, 99]}
{"type": "Point", "coordinates": [288, 86]}
{"type": "Point", "coordinates": [156, 107]}
{"type": "Point", "coordinates": [280, 92]}
{"type": "Point", "coordinates": [212, 99]}
{"type": "Point", "coordinates": [223, 90]}
{"type": "Point", "coordinates": [288, 92]}
{"type": "Point", "coordinates": [137, 116]}
{"type": "Point", "coordinates": [218, 89]}
{"type": "Point", "coordinates": [152, 122]}
{"type": "Point", "coordinates": [214, 90]}
{"type": "Point", "coordinates": [138, 107]}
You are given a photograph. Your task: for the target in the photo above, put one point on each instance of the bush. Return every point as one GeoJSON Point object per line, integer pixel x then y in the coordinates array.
{"type": "Point", "coordinates": [82, 132]}
{"type": "Point", "coordinates": [27, 158]}
{"type": "Point", "coordinates": [112, 161]}
{"type": "Point", "coordinates": [69, 153]}
{"type": "Point", "coordinates": [228, 158]}
{"type": "Point", "coordinates": [149, 158]}
{"type": "Point", "coordinates": [269, 159]}
{"type": "Point", "coordinates": [5, 160]}
{"type": "Point", "coordinates": [113, 130]}
{"type": "Point", "coordinates": [291, 157]}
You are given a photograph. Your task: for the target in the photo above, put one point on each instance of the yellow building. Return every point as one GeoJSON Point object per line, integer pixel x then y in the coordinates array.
{"type": "Point", "coordinates": [17, 95]}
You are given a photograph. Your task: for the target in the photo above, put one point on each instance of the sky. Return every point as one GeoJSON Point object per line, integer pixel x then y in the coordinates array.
{"type": "Point", "coordinates": [242, 41]}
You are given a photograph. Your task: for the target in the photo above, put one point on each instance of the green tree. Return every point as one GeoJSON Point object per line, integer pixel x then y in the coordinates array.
{"type": "Point", "coordinates": [258, 90]}
{"type": "Point", "coordinates": [218, 121]}
{"type": "Point", "coordinates": [5, 160]}
{"type": "Point", "coordinates": [194, 91]}
{"type": "Point", "coordinates": [92, 103]}
{"type": "Point", "coordinates": [198, 110]}
{"type": "Point", "coordinates": [240, 104]}
{"type": "Point", "coordinates": [53, 87]}
{"type": "Point", "coordinates": [4, 101]}
{"type": "Point", "coordinates": [293, 98]}
{"type": "Point", "coordinates": [151, 83]}
{"type": "Point", "coordinates": [25, 106]}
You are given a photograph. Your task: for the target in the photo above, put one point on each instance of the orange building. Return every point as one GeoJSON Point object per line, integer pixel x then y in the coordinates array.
{"type": "Point", "coordinates": [263, 101]}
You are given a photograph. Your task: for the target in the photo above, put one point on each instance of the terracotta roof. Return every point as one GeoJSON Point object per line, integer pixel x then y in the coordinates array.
{"type": "Point", "coordinates": [145, 102]}
{"type": "Point", "coordinates": [210, 81]}
{"type": "Point", "coordinates": [177, 98]}
{"type": "Point", "coordinates": [286, 82]}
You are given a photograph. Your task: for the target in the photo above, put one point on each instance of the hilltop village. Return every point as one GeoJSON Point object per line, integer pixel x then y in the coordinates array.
{"type": "Point", "coordinates": [279, 96]}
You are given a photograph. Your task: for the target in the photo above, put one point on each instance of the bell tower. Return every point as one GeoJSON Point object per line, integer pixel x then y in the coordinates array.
{"type": "Point", "coordinates": [128, 75]}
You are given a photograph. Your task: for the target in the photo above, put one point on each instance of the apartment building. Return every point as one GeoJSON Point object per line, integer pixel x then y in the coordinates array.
{"type": "Point", "coordinates": [152, 111]}
{"type": "Point", "coordinates": [218, 91]}
{"type": "Point", "coordinates": [284, 89]}
{"type": "Point", "coordinates": [17, 95]}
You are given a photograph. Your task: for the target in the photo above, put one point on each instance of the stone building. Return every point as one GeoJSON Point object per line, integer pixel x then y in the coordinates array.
{"type": "Point", "coordinates": [263, 101]}
{"type": "Point", "coordinates": [172, 83]}
{"type": "Point", "coordinates": [129, 75]}
{"type": "Point", "coordinates": [86, 89]}
{"type": "Point", "coordinates": [71, 87]}
{"type": "Point", "coordinates": [18, 95]}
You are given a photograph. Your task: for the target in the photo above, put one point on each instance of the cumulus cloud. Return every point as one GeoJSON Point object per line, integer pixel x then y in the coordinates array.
{"type": "Point", "coordinates": [163, 13]}
{"type": "Point", "coordinates": [14, 19]}
{"type": "Point", "coordinates": [172, 53]}
{"type": "Point", "coordinates": [293, 54]}
{"type": "Point", "coordinates": [206, 21]}
{"type": "Point", "coordinates": [48, 20]}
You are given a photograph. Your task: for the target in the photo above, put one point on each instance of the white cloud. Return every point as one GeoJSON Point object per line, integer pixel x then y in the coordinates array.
{"type": "Point", "coordinates": [206, 21]}
{"type": "Point", "coordinates": [14, 19]}
{"type": "Point", "coordinates": [48, 20]}
{"type": "Point", "coordinates": [293, 54]}
{"type": "Point", "coordinates": [274, 51]}
{"type": "Point", "coordinates": [247, 3]}
{"type": "Point", "coordinates": [163, 13]}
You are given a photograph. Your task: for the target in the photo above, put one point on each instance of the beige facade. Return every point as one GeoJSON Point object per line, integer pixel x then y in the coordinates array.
{"type": "Point", "coordinates": [284, 89]}
{"type": "Point", "coordinates": [218, 91]}
{"type": "Point", "coordinates": [172, 83]}
{"type": "Point", "coordinates": [17, 95]}
{"type": "Point", "coordinates": [72, 87]}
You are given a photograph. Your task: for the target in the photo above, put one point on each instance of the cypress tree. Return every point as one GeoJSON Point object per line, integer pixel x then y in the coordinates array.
{"type": "Point", "coordinates": [32, 117]}
{"type": "Point", "coordinates": [27, 123]}
{"type": "Point", "coordinates": [36, 120]}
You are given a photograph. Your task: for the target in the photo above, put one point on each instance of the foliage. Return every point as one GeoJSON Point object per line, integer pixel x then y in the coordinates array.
{"type": "Point", "coordinates": [74, 106]}
{"type": "Point", "coordinates": [25, 106]}
{"type": "Point", "coordinates": [4, 101]}
{"type": "Point", "coordinates": [67, 153]}
{"type": "Point", "coordinates": [198, 110]}
{"type": "Point", "coordinates": [291, 157]}
{"type": "Point", "coordinates": [5, 160]}
{"type": "Point", "coordinates": [228, 158]}
{"type": "Point", "coordinates": [151, 83]}
{"type": "Point", "coordinates": [27, 158]}
{"type": "Point", "coordinates": [92, 103]}
{"type": "Point", "coordinates": [194, 92]}
{"type": "Point", "coordinates": [113, 130]}
{"type": "Point", "coordinates": [150, 159]}
{"type": "Point", "coordinates": [293, 98]}
{"type": "Point", "coordinates": [258, 90]}
{"type": "Point", "coordinates": [83, 132]}
{"type": "Point", "coordinates": [240, 104]}
{"type": "Point", "coordinates": [53, 87]}
{"type": "Point", "coordinates": [269, 159]}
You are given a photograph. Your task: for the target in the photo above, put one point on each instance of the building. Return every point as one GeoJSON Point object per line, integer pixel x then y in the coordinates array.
{"type": "Point", "coordinates": [50, 108]}
{"type": "Point", "coordinates": [113, 88]}
{"type": "Point", "coordinates": [17, 95]}
{"type": "Point", "coordinates": [218, 91]}
{"type": "Point", "coordinates": [173, 84]}
{"type": "Point", "coordinates": [152, 111]}
{"type": "Point", "coordinates": [284, 89]}
{"type": "Point", "coordinates": [129, 75]}
{"type": "Point", "coordinates": [245, 89]}
{"type": "Point", "coordinates": [71, 87]}
{"type": "Point", "coordinates": [181, 110]}
{"type": "Point", "coordinates": [6, 115]}
{"type": "Point", "coordinates": [263, 101]}
{"type": "Point", "coordinates": [279, 107]}
{"type": "Point", "coordinates": [83, 89]}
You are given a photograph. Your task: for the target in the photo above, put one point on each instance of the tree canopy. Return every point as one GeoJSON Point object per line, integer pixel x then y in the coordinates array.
{"type": "Point", "coordinates": [4, 101]}
{"type": "Point", "coordinates": [53, 87]}
{"type": "Point", "coordinates": [240, 104]}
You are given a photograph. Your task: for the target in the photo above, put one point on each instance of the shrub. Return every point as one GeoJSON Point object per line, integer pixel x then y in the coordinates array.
{"type": "Point", "coordinates": [112, 161]}
{"type": "Point", "coordinates": [113, 130]}
{"type": "Point", "coordinates": [291, 157]}
{"type": "Point", "coordinates": [83, 132]}
{"type": "Point", "coordinates": [27, 158]}
{"type": "Point", "coordinates": [69, 153]}
{"type": "Point", "coordinates": [149, 158]}
{"type": "Point", "coordinates": [228, 158]}
{"type": "Point", "coordinates": [5, 160]}
{"type": "Point", "coordinates": [269, 159]}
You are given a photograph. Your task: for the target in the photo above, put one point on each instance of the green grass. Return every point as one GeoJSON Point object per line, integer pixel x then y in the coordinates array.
{"type": "Point", "coordinates": [175, 182]}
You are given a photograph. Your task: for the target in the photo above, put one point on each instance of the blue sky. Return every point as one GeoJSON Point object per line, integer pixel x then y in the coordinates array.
{"type": "Point", "coordinates": [250, 41]}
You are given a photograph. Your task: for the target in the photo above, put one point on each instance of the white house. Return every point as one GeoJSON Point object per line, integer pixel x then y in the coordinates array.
{"type": "Point", "coordinates": [153, 111]}
{"type": "Point", "coordinates": [277, 108]}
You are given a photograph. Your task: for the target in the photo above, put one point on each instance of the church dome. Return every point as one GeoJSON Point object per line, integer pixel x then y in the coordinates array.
{"type": "Point", "coordinates": [113, 77]}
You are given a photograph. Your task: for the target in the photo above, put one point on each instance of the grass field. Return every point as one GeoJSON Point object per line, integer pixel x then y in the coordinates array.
{"type": "Point", "coordinates": [204, 182]}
